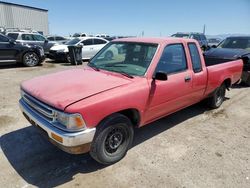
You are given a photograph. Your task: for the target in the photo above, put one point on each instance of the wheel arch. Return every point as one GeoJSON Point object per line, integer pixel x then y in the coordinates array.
{"type": "Point", "coordinates": [131, 113]}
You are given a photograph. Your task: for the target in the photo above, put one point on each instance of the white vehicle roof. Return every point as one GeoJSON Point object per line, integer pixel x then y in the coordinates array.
{"type": "Point", "coordinates": [85, 38]}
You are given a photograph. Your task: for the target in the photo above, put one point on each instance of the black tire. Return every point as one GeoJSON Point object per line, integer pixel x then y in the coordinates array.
{"type": "Point", "coordinates": [30, 59]}
{"type": "Point", "coordinates": [112, 140]}
{"type": "Point", "coordinates": [108, 55]}
{"type": "Point", "coordinates": [218, 97]}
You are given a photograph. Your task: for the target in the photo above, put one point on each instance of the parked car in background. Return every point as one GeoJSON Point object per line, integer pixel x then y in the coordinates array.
{"type": "Point", "coordinates": [239, 42]}
{"type": "Point", "coordinates": [200, 37]}
{"type": "Point", "coordinates": [15, 52]}
{"type": "Point", "coordinates": [97, 108]}
{"type": "Point", "coordinates": [213, 42]}
{"type": "Point", "coordinates": [90, 46]}
{"type": "Point", "coordinates": [58, 39]}
{"type": "Point", "coordinates": [80, 35]}
{"type": "Point", "coordinates": [102, 35]}
{"type": "Point", "coordinates": [32, 39]}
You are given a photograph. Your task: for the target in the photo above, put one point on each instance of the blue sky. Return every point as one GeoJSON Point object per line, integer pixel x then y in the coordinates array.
{"type": "Point", "coordinates": [154, 17]}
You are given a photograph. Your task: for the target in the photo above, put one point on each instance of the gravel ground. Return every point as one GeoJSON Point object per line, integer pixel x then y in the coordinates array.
{"type": "Point", "coordinates": [195, 147]}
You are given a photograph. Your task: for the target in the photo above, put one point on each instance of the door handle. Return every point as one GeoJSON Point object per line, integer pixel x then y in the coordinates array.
{"type": "Point", "coordinates": [187, 79]}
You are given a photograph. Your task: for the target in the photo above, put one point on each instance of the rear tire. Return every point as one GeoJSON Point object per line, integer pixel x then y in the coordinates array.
{"type": "Point", "coordinates": [112, 140]}
{"type": "Point", "coordinates": [218, 97]}
{"type": "Point", "coordinates": [30, 59]}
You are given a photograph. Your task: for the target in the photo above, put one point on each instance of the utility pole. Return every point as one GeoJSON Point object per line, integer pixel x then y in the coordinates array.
{"type": "Point", "coordinates": [204, 29]}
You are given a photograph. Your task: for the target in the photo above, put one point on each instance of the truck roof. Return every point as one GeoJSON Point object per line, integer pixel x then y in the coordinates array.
{"type": "Point", "coordinates": [155, 40]}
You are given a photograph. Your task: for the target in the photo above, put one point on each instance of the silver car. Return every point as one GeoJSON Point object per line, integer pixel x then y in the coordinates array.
{"type": "Point", "coordinates": [32, 39]}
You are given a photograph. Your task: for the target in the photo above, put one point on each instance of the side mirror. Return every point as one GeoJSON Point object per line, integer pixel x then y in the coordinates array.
{"type": "Point", "coordinates": [160, 76]}
{"type": "Point", "coordinates": [46, 41]}
{"type": "Point", "coordinates": [12, 41]}
{"type": "Point", "coordinates": [214, 46]}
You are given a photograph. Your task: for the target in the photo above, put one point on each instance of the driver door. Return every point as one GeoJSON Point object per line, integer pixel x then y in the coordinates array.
{"type": "Point", "coordinates": [174, 93]}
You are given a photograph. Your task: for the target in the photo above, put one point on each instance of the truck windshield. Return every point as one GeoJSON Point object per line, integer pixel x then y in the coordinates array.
{"type": "Point", "coordinates": [125, 57]}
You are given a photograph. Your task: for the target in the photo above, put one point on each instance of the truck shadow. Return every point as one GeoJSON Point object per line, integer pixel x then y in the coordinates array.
{"type": "Point", "coordinates": [43, 165]}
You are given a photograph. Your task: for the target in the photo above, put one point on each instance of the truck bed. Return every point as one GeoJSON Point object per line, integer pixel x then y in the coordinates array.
{"type": "Point", "coordinates": [231, 70]}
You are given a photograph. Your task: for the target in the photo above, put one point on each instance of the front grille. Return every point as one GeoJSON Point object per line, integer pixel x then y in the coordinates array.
{"type": "Point", "coordinates": [39, 108]}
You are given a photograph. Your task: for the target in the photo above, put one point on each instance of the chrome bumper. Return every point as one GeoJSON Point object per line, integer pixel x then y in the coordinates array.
{"type": "Point", "coordinates": [69, 139]}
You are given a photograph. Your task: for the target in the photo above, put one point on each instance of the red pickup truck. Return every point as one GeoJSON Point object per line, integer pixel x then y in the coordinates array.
{"type": "Point", "coordinates": [97, 107]}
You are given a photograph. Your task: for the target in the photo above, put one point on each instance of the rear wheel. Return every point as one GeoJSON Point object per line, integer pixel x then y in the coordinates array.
{"type": "Point", "coordinates": [30, 59]}
{"type": "Point", "coordinates": [218, 97]}
{"type": "Point", "coordinates": [113, 138]}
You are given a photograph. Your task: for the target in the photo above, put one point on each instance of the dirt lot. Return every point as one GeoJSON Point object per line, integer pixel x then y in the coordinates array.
{"type": "Point", "coordinates": [195, 147]}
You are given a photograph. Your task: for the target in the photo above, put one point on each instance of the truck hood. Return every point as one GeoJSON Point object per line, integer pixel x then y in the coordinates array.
{"type": "Point", "coordinates": [61, 89]}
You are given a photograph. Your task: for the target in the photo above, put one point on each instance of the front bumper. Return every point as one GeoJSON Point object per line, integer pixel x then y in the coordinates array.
{"type": "Point", "coordinates": [57, 55]}
{"type": "Point", "coordinates": [75, 143]}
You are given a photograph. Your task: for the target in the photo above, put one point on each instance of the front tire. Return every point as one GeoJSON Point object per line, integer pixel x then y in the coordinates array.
{"type": "Point", "coordinates": [113, 138]}
{"type": "Point", "coordinates": [30, 59]}
{"type": "Point", "coordinates": [218, 97]}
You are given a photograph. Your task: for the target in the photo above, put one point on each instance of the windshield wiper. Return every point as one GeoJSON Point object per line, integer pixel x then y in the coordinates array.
{"type": "Point", "coordinates": [119, 70]}
{"type": "Point", "coordinates": [124, 74]}
{"type": "Point", "coordinates": [114, 65]}
{"type": "Point", "coordinates": [93, 66]}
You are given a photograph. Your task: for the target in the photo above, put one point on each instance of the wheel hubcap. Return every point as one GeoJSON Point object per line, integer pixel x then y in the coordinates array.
{"type": "Point", "coordinates": [31, 59]}
{"type": "Point", "coordinates": [114, 140]}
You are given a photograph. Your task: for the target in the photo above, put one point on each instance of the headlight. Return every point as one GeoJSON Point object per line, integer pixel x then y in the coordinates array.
{"type": "Point", "coordinates": [73, 122]}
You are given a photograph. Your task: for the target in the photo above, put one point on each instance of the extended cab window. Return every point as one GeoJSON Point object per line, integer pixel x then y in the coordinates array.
{"type": "Point", "coordinates": [173, 59]}
{"type": "Point", "coordinates": [195, 57]}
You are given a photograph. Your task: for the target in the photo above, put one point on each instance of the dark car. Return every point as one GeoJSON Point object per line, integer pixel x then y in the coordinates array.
{"type": "Point", "coordinates": [15, 52]}
{"type": "Point", "coordinates": [236, 42]}
{"type": "Point", "coordinates": [200, 37]}
{"type": "Point", "coordinates": [32, 39]}
{"type": "Point", "coordinates": [240, 42]}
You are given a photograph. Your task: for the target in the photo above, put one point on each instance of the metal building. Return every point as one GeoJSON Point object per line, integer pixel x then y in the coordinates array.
{"type": "Point", "coordinates": [23, 17]}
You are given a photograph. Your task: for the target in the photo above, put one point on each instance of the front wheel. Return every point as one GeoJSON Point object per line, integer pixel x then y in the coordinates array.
{"type": "Point", "coordinates": [30, 59]}
{"type": "Point", "coordinates": [113, 138]}
{"type": "Point", "coordinates": [218, 97]}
